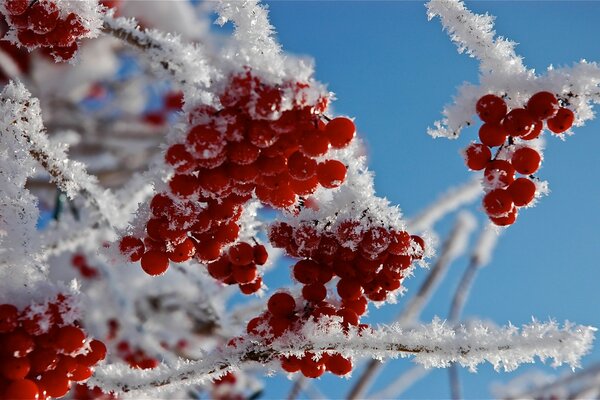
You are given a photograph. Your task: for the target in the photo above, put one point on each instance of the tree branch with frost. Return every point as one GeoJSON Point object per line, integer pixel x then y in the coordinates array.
{"type": "Point", "coordinates": [453, 247]}
{"type": "Point", "coordinates": [502, 71]}
{"type": "Point", "coordinates": [187, 63]}
{"type": "Point", "coordinates": [433, 345]}
{"type": "Point", "coordinates": [69, 176]}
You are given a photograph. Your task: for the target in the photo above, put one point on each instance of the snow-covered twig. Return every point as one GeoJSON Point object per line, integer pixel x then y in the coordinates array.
{"type": "Point", "coordinates": [433, 345]}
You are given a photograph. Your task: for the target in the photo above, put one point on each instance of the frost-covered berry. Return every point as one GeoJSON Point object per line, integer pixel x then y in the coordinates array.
{"type": "Point", "coordinates": [562, 121]}
{"type": "Point", "coordinates": [542, 105]}
{"type": "Point", "coordinates": [477, 156]}
{"type": "Point", "coordinates": [491, 108]}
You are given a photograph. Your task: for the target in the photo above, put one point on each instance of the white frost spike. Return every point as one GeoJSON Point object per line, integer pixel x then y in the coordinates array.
{"type": "Point", "coordinates": [433, 345]}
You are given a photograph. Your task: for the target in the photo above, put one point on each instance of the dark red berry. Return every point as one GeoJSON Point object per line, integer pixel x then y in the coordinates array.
{"type": "Point", "coordinates": [491, 108]}
{"type": "Point", "coordinates": [497, 203]}
{"type": "Point", "coordinates": [522, 191]}
{"type": "Point", "coordinates": [562, 121]}
{"type": "Point", "coordinates": [155, 262]}
{"type": "Point", "coordinates": [542, 105]}
{"type": "Point", "coordinates": [340, 131]}
{"type": "Point", "coordinates": [526, 160]}
{"type": "Point", "coordinates": [518, 122]}
{"type": "Point", "coordinates": [281, 304]}
{"type": "Point", "coordinates": [492, 134]}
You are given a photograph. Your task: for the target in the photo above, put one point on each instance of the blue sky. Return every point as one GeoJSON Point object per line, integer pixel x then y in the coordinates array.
{"type": "Point", "coordinates": [394, 71]}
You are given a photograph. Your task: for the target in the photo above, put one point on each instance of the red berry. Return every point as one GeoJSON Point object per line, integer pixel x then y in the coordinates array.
{"type": "Point", "coordinates": [492, 134]}
{"type": "Point", "coordinates": [242, 153]}
{"type": "Point", "coordinates": [399, 242]}
{"type": "Point", "coordinates": [306, 237]}
{"type": "Point", "coordinates": [54, 383]}
{"type": "Point", "coordinates": [8, 317]}
{"type": "Point", "coordinates": [349, 317]}
{"type": "Point", "coordinates": [178, 156]}
{"type": "Point", "coordinates": [507, 219]}
{"type": "Point", "coordinates": [376, 240]}
{"type": "Point", "coordinates": [497, 203]}
{"type": "Point", "coordinates": [417, 247]}
{"type": "Point", "coordinates": [542, 105]}
{"type": "Point", "coordinates": [499, 174]}
{"type": "Point", "coordinates": [314, 292]}
{"type": "Point", "coordinates": [70, 339]}
{"type": "Point", "coordinates": [206, 141]}
{"type": "Point", "coordinates": [208, 250]}
{"type": "Point", "coordinates": [15, 368]}
{"type": "Point", "coordinates": [338, 365]}
{"type": "Point", "coordinates": [22, 389]}
{"type": "Point", "coordinates": [17, 343]}
{"type": "Point", "coordinates": [304, 188]}
{"type": "Point", "coordinates": [43, 16]}
{"type": "Point", "coordinates": [252, 287]}
{"type": "Point", "coordinates": [183, 251]}
{"type": "Point", "coordinates": [291, 364]}
{"type": "Point", "coordinates": [183, 185]}
{"type": "Point", "coordinates": [331, 173]}
{"type": "Point", "coordinates": [311, 368]}
{"type": "Point", "coordinates": [526, 160]}
{"type": "Point", "coordinates": [155, 262]}
{"type": "Point", "coordinates": [219, 269]}
{"type": "Point", "coordinates": [301, 167]}
{"type": "Point", "coordinates": [535, 132]}
{"type": "Point", "coordinates": [522, 191]}
{"type": "Point", "coordinates": [477, 156]}
{"type": "Point", "coordinates": [562, 121]}
{"type": "Point", "coordinates": [518, 122]}
{"type": "Point", "coordinates": [307, 271]}
{"type": "Point", "coordinates": [244, 273]}
{"type": "Point", "coordinates": [241, 254]}
{"type": "Point", "coordinates": [359, 305]}
{"type": "Point", "coordinates": [42, 359]}
{"type": "Point", "coordinates": [97, 352]}
{"type": "Point", "coordinates": [132, 247]}
{"type": "Point", "coordinates": [261, 134]}
{"type": "Point", "coordinates": [16, 7]}
{"type": "Point", "coordinates": [173, 100]}
{"type": "Point", "coordinates": [81, 373]}
{"type": "Point", "coordinates": [349, 289]}
{"type": "Point", "coordinates": [260, 254]}
{"type": "Point", "coordinates": [281, 304]}
{"type": "Point", "coordinates": [349, 233]}
{"type": "Point", "coordinates": [314, 144]}
{"type": "Point", "coordinates": [491, 108]}
{"type": "Point", "coordinates": [340, 131]}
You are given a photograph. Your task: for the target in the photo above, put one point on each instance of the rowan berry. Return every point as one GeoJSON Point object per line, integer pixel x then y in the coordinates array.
{"type": "Point", "coordinates": [70, 339]}
{"type": "Point", "coordinates": [16, 7]}
{"type": "Point", "coordinates": [497, 203]}
{"type": "Point", "coordinates": [562, 121]}
{"type": "Point", "coordinates": [522, 191]}
{"type": "Point", "coordinates": [155, 262]}
{"type": "Point", "coordinates": [9, 315]}
{"type": "Point", "coordinates": [132, 247]}
{"type": "Point", "coordinates": [260, 254]}
{"type": "Point", "coordinates": [15, 368]}
{"type": "Point", "coordinates": [338, 365]}
{"type": "Point", "coordinates": [477, 156]}
{"type": "Point", "coordinates": [314, 144]}
{"type": "Point", "coordinates": [311, 368]}
{"type": "Point", "coordinates": [349, 289]}
{"type": "Point", "coordinates": [526, 160]}
{"type": "Point", "coordinates": [54, 383]}
{"type": "Point", "coordinates": [499, 174]}
{"type": "Point", "coordinates": [542, 105]}
{"type": "Point", "coordinates": [178, 156]}
{"type": "Point", "coordinates": [281, 304]}
{"type": "Point", "coordinates": [518, 122]}
{"type": "Point", "coordinates": [492, 134]}
{"type": "Point", "coordinates": [252, 287]}
{"type": "Point", "coordinates": [340, 131]}
{"type": "Point", "coordinates": [291, 364]}
{"type": "Point", "coordinates": [314, 292]}
{"type": "Point", "coordinates": [183, 251]}
{"type": "Point", "coordinates": [301, 167]}
{"type": "Point", "coordinates": [491, 108]}
{"type": "Point", "coordinates": [244, 273]}
{"type": "Point", "coordinates": [331, 173]}
{"type": "Point", "coordinates": [22, 389]}
{"type": "Point", "coordinates": [507, 219]}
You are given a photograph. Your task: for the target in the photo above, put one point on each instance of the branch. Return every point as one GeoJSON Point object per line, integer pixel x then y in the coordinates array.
{"type": "Point", "coordinates": [433, 345]}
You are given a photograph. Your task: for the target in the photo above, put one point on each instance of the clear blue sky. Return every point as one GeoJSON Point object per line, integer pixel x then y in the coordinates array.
{"type": "Point", "coordinates": [394, 71]}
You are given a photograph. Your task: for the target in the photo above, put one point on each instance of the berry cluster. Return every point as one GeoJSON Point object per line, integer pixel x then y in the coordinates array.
{"type": "Point", "coordinates": [239, 266]}
{"type": "Point", "coordinates": [224, 388]}
{"type": "Point", "coordinates": [41, 354]}
{"type": "Point", "coordinates": [42, 24]}
{"type": "Point", "coordinates": [510, 130]}
{"type": "Point", "coordinates": [369, 261]}
{"type": "Point", "coordinates": [136, 358]}
{"type": "Point", "coordinates": [80, 263]}
{"type": "Point", "coordinates": [264, 142]}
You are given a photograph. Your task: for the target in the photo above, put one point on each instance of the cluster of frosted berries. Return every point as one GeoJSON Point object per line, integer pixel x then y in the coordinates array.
{"type": "Point", "coordinates": [41, 355]}
{"type": "Point", "coordinates": [252, 147]}
{"type": "Point", "coordinates": [511, 130]}
{"type": "Point", "coordinates": [367, 262]}
{"type": "Point", "coordinates": [79, 262]}
{"type": "Point", "coordinates": [368, 259]}
{"type": "Point", "coordinates": [41, 24]}
{"type": "Point", "coordinates": [239, 265]}
{"type": "Point", "coordinates": [225, 388]}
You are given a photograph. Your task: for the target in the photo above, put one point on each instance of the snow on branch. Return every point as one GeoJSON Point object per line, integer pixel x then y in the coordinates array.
{"type": "Point", "coordinates": [22, 117]}
{"type": "Point", "coordinates": [186, 63]}
{"type": "Point", "coordinates": [474, 34]}
{"type": "Point", "coordinates": [433, 345]}
{"type": "Point", "coordinates": [503, 73]}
